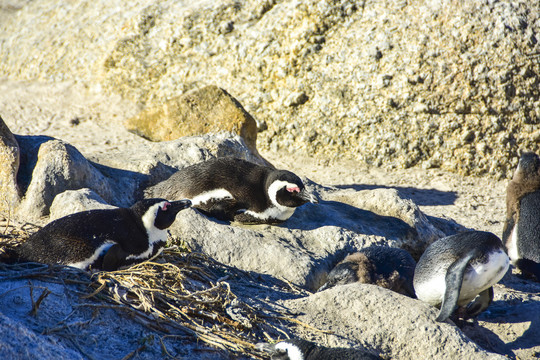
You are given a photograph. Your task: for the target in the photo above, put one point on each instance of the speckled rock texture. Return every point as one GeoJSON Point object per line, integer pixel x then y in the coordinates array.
{"type": "Point", "coordinates": [198, 112]}
{"type": "Point", "coordinates": [446, 84]}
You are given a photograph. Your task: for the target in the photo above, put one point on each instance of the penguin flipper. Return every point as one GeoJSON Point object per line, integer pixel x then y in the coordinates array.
{"type": "Point", "coordinates": [481, 303]}
{"type": "Point", "coordinates": [222, 209]}
{"type": "Point", "coordinates": [454, 279]}
{"type": "Point", "coordinates": [114, 258]}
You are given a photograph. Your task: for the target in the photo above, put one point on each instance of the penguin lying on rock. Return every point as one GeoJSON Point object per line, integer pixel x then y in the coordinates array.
{"type": "Point", "coordinates": [236, 190]}
{"type": "Point", "coordinates": [298, 349]}
{"type": "Point", "coordinates": [455, 269]}
{"type": "Point", "coordinates": [520, 234]}
{"type": "Point", "coordinates": [388, 267]}
{"type": "Point", "coordinates": [103, 239]}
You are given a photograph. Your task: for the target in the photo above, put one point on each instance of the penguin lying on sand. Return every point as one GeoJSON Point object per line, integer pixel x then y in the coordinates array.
{"type": "Point", "coordinates": [388, 267]}
{"type": "Point", "coordinates": [520, 234]}
{"type": "Point", "coordinates": [236, 190]}
{"type": "Point", "coordinates": [298, 349]}
{"type": "Point", "coordinates": [455, 269]}
{"type": "Point", "coordinates": [104, 239]}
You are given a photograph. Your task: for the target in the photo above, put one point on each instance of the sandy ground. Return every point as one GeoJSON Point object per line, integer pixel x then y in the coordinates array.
{"type": "Point", "coordinates": [92, 123]}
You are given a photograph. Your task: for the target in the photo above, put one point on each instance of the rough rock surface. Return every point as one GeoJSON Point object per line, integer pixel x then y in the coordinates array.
{"type": "Point", "coordinates": [198, 112]}
{"type": "Point", "coordinates": [397, 326]}
{"type": "Point", "coordinates": [446, 84]}
{"type": "Point", "coordinates": [9, 160]}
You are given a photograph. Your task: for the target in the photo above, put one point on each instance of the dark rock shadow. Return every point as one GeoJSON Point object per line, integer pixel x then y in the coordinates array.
{"type": "Point", "coordinates": [29, 147]}
{"type": "Point", "coordinates": [501, 312]}
{"type": "Point", "coordinates": [421, 197]}
{"type": "Point", "coordinates": [334, 213]}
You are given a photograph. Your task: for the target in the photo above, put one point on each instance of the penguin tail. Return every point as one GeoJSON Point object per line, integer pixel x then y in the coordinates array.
{"type": "Point", "coordinates": [529, 267]}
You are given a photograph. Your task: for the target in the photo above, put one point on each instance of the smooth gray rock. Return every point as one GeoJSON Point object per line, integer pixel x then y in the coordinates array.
{"type": "Point", "coordinates": [72, 201]}
{"type": "Point", "coordinates": [58, 167]}
{"type": "Point", "coordinates": [397, 326]}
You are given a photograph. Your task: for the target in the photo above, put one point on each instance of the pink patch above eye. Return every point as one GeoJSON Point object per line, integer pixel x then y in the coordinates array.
{"type": "Point", "coordinates": [165, 206]}
{"type": "Point", "coordinates": [293, 189]}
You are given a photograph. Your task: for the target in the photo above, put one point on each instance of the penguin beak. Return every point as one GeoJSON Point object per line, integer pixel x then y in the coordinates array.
{"type": "Point", "coordinates": [176, 206]}
{"type": "Point", "coordinates": [307, 196]}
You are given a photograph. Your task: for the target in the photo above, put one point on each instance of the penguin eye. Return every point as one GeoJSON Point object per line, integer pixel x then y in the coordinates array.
{"type": "Point", "coordinates": [293, 190]}
{"type": "Point", "coordinates": [166, 206]}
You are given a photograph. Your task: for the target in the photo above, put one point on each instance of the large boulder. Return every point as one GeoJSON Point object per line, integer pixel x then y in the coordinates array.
{"type": "Point", "coordinates": [198, 112]}
{"type": "Point", "coordinates": [395, 325]}
{"type": "Point", "coordinates": [392, 83]}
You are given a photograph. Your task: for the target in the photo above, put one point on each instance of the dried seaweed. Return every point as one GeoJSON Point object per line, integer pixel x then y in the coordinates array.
{"type": "Point", "coordinates": [182, 292]}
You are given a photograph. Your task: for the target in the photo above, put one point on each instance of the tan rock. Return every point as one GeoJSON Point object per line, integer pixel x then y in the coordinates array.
{"type": "Point", "coordinates": [9, 165]}
{"type": "Point", "coordinates": [207, 110]}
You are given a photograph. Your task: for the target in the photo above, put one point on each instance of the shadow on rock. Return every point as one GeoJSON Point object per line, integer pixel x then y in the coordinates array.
{"type": "Point", "coordinates": [422, 197]}
{"type": "Point", "coordinates": [334, 213]}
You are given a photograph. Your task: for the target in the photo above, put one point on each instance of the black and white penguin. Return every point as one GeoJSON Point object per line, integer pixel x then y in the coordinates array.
{"type": "Point", "coordinates": [455, 269]}
{"type": "Point", "coordinates": [520, 233]}
{"type": "Point", "coordinates": [388, 267]}
{"type": "Point", "coordinates": [298, 349]}
{"type": "Point", "coordinates": [104, 239]}
{"type": "Point", "coordinates": [236, 190]}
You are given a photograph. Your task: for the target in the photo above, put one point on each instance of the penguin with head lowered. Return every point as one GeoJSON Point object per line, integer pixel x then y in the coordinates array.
{"type": "Point", "coordinates": [236, 190]}
{"type": "Point", "coordinates": [105, 239]}
{"type": "Point", "coordinates": [298, 349]}
{"type": "Point", "coordinates": [521, 233]}
{"type": "Point", "coordinates": [388, 267]}
{"type": "Point", "coordinates": [455, 270]}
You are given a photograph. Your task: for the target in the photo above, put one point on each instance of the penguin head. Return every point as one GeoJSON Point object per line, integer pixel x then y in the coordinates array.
{"type": "Point", "coordinates": [287, 189]}
{"type": "Point", "coordinates": [528, 167]}
{"type": "Point", "coordinates": [343, 273]}
{"type": "Point", "coordinates": [292, 349]}
{"type": "Point", "coordinates": [159, 213]}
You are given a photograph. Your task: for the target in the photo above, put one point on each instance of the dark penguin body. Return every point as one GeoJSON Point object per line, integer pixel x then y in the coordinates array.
{"type": "Point", "coordinates": [236, 190]}
{"type": "Point", "coordinates": [104, 239]}
{"type": "Point", "coordinates": [298, 349]}
{"type": "Point", "coordinates": [521, 233]}
{"type": "Point", "coordinates": [388, 267]}
{"type": "Point", "coordinates": [455, 269]}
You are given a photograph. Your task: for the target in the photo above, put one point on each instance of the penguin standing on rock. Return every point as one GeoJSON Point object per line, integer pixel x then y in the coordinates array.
{"type": "Point", "coordinates": [455, 269]}
{"type": "Point", "coordinates": [298, 349]}
{"type": "Point", "coordinates": [388, 267]}
{"type": "Point", "coordinates": [104, 239]}
{"type": "Point", "coordinates": [236, 190]}
{"type": "Point", "coordinates": [521, 234]}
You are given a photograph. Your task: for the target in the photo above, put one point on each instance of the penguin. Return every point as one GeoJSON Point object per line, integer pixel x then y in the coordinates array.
{"type": "Point", "coordinates": [232, 189]}
{"type": "Point", "coordinates": [388, 267]}
{"type": "Point", "coordinates": [298, 349]}
{"type": "Point", "coordinates": [104, 239]}
{"type": "Point", "coordinates": [520, 232]}
{"type": "Point", "coordinates": [455, 269]}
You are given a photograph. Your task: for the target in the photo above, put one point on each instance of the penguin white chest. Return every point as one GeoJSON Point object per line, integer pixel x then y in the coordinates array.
{"type": "Point", "coordinates": [216, 194]}
{"type": "Point", "coordinates": [432, 291]}
{"type": "Point", "coordinates": [483, 275]}
{"type": "Point", "coordinates": [511, 245]}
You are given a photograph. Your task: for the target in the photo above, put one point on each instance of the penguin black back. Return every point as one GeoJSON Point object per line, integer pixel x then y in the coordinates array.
{"type": "Point", "coordinates": [298, 349]}
{"type": "Point", "coordinates": [455, 269]}
{"type": "Point", "coordinates": [235, 189]}
{"type": "Point", "coordinates": [388, 267]}
{"type": "Point", "coordinates": [105, 239]}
